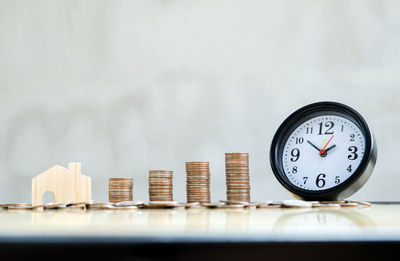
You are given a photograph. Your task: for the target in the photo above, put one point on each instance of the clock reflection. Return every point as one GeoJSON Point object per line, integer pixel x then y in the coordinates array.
{"type": "Point", "coordinates": [323, 219]}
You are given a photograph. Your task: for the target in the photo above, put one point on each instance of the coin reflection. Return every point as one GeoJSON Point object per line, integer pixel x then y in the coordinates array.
{"type": "Point", "coordinates": [160, 218]}
{"type": "Point", "coordinates": [237, 219]}
{"type": "Point", "coordinates": [197, 220]}
{"type": "Point", "coordinates": [131, 218]}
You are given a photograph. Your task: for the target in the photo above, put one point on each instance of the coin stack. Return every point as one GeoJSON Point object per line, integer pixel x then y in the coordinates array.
{"type": "Point", "coordinates": [198, 182]}
{"type": "Point", "coordinates": [237, 177]}
{"type": "Point", "coordinates": [160, 185]}
{"type": "Point", "coordinates": [120, 189]}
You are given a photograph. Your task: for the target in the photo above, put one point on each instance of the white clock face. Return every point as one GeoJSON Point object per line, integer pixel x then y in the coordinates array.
{"type": "Point", "coordinates": [323, 152]}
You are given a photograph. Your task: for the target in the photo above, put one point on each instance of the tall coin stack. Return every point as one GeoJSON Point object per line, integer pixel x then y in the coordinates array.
{"type": "Point", "coordinates": [237, 177]}
{"type": "Point", "coordinates": [120, 189]}
{"type": "Point", "coordinates": [198, 182]}
{"type": "Point", "coordinates": [160, 185]}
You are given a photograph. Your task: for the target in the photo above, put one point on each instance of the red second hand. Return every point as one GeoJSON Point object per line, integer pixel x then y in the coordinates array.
{"type": "Point", "coordinates": [323, 149]}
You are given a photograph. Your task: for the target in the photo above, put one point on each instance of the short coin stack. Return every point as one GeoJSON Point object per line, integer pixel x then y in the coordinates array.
{"type": "Point", "coordinates": [160, 185]}
{"type": "Point", "coordinates": [237, 177]}
{"type": "Point", "coordinates": [198, 182]}
{"type": "Point", "coordinates": [120, 189]}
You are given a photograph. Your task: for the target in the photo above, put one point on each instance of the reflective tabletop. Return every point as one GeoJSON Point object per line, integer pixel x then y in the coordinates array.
{"type": "Point", "coordinates": [380, 222]}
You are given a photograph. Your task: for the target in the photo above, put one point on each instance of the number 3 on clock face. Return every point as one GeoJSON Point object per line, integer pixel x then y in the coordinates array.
{"type": "Point", "coordinates": [323, 152]}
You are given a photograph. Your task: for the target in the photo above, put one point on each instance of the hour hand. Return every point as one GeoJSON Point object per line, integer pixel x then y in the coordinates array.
{"type": "Point", "coordinates": [331, 147]}
{"type": "Point", "coordinates": [309, 142]}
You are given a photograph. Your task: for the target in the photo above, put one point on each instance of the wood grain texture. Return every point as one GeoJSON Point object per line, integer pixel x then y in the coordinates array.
{"type": "Point", "coordinates": [65, 184]}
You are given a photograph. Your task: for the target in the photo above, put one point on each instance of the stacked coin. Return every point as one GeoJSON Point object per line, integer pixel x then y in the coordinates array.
{"type": "Point", "coordinates": [198, 182]}
{"type": "Point", "coordinates": [120, 189]}
{"type": "Point", "coordinates": [237, 177]}
{"type": "Point", "coordinates": [160, 185]}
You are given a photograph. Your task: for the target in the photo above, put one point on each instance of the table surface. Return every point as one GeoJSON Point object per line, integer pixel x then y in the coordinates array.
{"type": "Point", "coordinates": [380, 222]}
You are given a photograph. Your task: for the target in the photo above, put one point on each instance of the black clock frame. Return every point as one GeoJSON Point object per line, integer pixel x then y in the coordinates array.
{"type": "Point", "coordinates": [344, 189]}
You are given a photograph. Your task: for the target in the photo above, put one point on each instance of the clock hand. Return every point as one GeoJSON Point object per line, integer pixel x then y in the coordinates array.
{"type": "Point", "coordinates": [323, 149]}
{"type": "Point", "coordinates": [331, 147]}
{"type": "Point", "coordinates": [309, 142]}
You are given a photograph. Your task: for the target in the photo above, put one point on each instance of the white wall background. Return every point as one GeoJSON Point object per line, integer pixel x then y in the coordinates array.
{"type": "Point", "coordinates": [128, 86]}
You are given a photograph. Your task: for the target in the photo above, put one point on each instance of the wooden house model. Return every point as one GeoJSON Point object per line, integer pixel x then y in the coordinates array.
{"type": "Point", "coordinates": [65, 184]}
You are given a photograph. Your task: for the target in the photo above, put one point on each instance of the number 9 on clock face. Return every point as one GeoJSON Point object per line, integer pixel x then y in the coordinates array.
{"type": "Point", "coordinates": [324, 151]}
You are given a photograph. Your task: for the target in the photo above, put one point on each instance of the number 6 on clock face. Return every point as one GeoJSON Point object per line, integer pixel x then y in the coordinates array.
{"type": "Point", "coordinates": [323, 151]}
